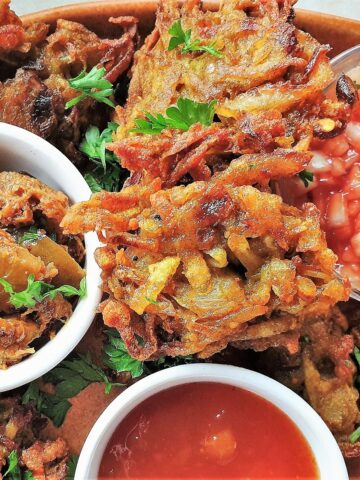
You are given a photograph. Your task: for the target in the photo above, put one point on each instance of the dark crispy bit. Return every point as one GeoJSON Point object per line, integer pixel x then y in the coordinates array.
{"type": "Point", "coordinates": [27, 102]}
{"type": "Point", "coordinates": [346, 90]}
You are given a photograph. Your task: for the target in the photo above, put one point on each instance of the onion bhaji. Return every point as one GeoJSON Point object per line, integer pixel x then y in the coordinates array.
{"type": "Point", "coordinates": [267, 83]}
{"type": "Point", "coordinates": [191, 268]}
{"type": "Point", "coordinates": [21, 431]}
{"type": "Point", "coordinates": [34, 93]}
{"type": "Point", "coordinates": [25, 202]}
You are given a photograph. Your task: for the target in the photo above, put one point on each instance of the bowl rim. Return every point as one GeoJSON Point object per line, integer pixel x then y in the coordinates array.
{"type": "Point", "coordinates": [56, 349]}
{"type": "Point", "coordinates": [326, 452]}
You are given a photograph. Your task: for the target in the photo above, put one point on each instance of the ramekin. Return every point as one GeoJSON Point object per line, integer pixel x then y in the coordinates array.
{"type": "Point", "coordinates": [326, 452]}
{"type": "Point", "coordinates": [21, 150]}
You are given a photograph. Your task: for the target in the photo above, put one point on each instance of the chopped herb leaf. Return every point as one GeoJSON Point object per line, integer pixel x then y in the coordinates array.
{"type": "Point", "coordinates": [28, 475]}
{"type": "Point", "coordinates": [91, 84]}
{"type": "Point", "coordinates": [354, 437]}
{"type": "Point", "coordinates": [150, 300]}
{"type": "Point", "coordinates": [73, 375]}
{"type": "Point", "coordinates": [357, 355]}
{"type": "Point", "coordinates": [181, 117]}
{"type": "Point", "coordinates": [93, 183]}
{"type": "Point", "coordinates": [32, 235]}
{"type": "Point", "coordinates": [306, 177]}
{"type": "Point", "coordinates": [118, 358]}
{"type": "Point", "coordinates": [69, 378]}
{"type": "Point", "coordinates": [71, 467]}
{"type": "Point", "coordinates": [180, 37]}
{"type": "Point", "coordinates": [107, 173]}
{"type": "Point", "coordinates": [168, 362]}
{"type": "Point", "coordinates": [94, 145]}
{"type": "Point", "coordinates": [52, 406]}
{"type": "Point", "coordinates": [13, 470]}
{"type": "Point", "coordinates": [36, 291]}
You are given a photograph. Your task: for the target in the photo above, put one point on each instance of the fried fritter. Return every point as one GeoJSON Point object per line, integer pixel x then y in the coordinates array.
{"type": "Point", "coordinates": [267, 83]}
{"type": "Point", "coordinates": [198, 263]}
{"type": "Point", "coordinates": [21, 196]}
{"type": "Point", "coordinates": [34, 96]}
{"type": "Point", "coordinates": [25, 101]}
{"type": "Point", "coordinates": [20, 431]}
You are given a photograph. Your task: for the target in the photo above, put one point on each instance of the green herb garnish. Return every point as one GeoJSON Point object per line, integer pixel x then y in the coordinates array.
{"type": "Point", "coordinates": [32, 235]}
{"type": "Point", "coordinates": [180, 37]}
{"type": "Point", "coordinates": [118, 358]}
{"type": "Point", "coordinates": [357, 355]}
{"type": "Point", "coordinates": [13, 469]}
{"type": "Point", "coordinates": [69, 378]}
{"type": "Point", "coordinates": [52, 406]}
{"type": "Point", "coordinates": [107, 174]}
{"type": "Point", "coordinates": [94, 145]}
{"type": "Point", "coordinates": [36, 291]}
{"type": "Point", "coordinates": [306, 177]}
{"type": "Point", "coordinates": [28, 475]}
{"type": "Point", "coordinates": [150, 300]}
{"type": "Point", "coordinates": [73, 375]}
{"type": "Point", "coordinates": [71, 467]}
{"type": "Point", "coordinates": [354, 437]}
{"type": "Point", "coordinates": [182, 116]}
{"type": "Point", "coordinates": [92, 84]}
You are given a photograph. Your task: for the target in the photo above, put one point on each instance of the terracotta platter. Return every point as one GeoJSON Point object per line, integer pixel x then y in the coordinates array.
{"type": "Point", "coordinates": [339, 32]}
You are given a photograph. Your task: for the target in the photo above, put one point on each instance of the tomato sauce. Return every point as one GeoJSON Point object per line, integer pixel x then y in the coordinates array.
{"type": "Point", "coordinates": [336, 192]}
{"type": "Point", "coordinates": [336, 166]}
{"type": "Point", "coordinates": [206, 431]}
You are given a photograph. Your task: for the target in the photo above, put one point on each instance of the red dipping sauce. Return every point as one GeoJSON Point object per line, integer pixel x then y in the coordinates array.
{"type": "Point", "coordinates": [336, 192]}
{"type": "Point", "coordinates": [205, 431]}
{"type": "Point", "coordinates": [337, 195]}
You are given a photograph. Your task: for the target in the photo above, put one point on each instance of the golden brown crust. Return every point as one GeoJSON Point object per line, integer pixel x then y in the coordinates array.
{"type": "Point", "coordinates": [170, 283]}
{"type": "Point", "coordinates": [21, 196]}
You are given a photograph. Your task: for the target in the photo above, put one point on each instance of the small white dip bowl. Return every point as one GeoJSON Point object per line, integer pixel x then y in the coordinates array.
{"type": "Point", "coordinates": [21, 150]}
{"type": "Point", "coordinates": [326, 452]}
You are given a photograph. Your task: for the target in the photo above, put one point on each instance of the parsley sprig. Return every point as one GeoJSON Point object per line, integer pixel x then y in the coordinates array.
{"type": "Point", "coordinates": [13, 471]}
{"type": "Point", "coordinates": [306, 177]}
{"type": "Point", "coordinates": [91, 84]}
{"type": "Point", "coordinates": [69, 378]}
{"type": "Point", "coordinates": [107, 173]}
{"type": "Point", "coordinates": [118, 358]}
{"type": "Point", "coordinates": [179, 37]}
{"type": "Point", "coordinates": [181, 116]}
{"type": "Point", "coordinates": [71, 467]}
{"type": "Point", "coordinates": [36, 292]}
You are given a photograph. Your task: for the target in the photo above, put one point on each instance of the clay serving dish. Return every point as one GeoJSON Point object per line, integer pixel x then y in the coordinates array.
{"type": "Point", "coordinates": [339, 32]}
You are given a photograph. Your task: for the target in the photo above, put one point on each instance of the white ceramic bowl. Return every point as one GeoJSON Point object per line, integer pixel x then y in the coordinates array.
{"type": "Point", "coordinates": [328, 457]}
{"type": "Point", "coordinates": [21, 150]}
